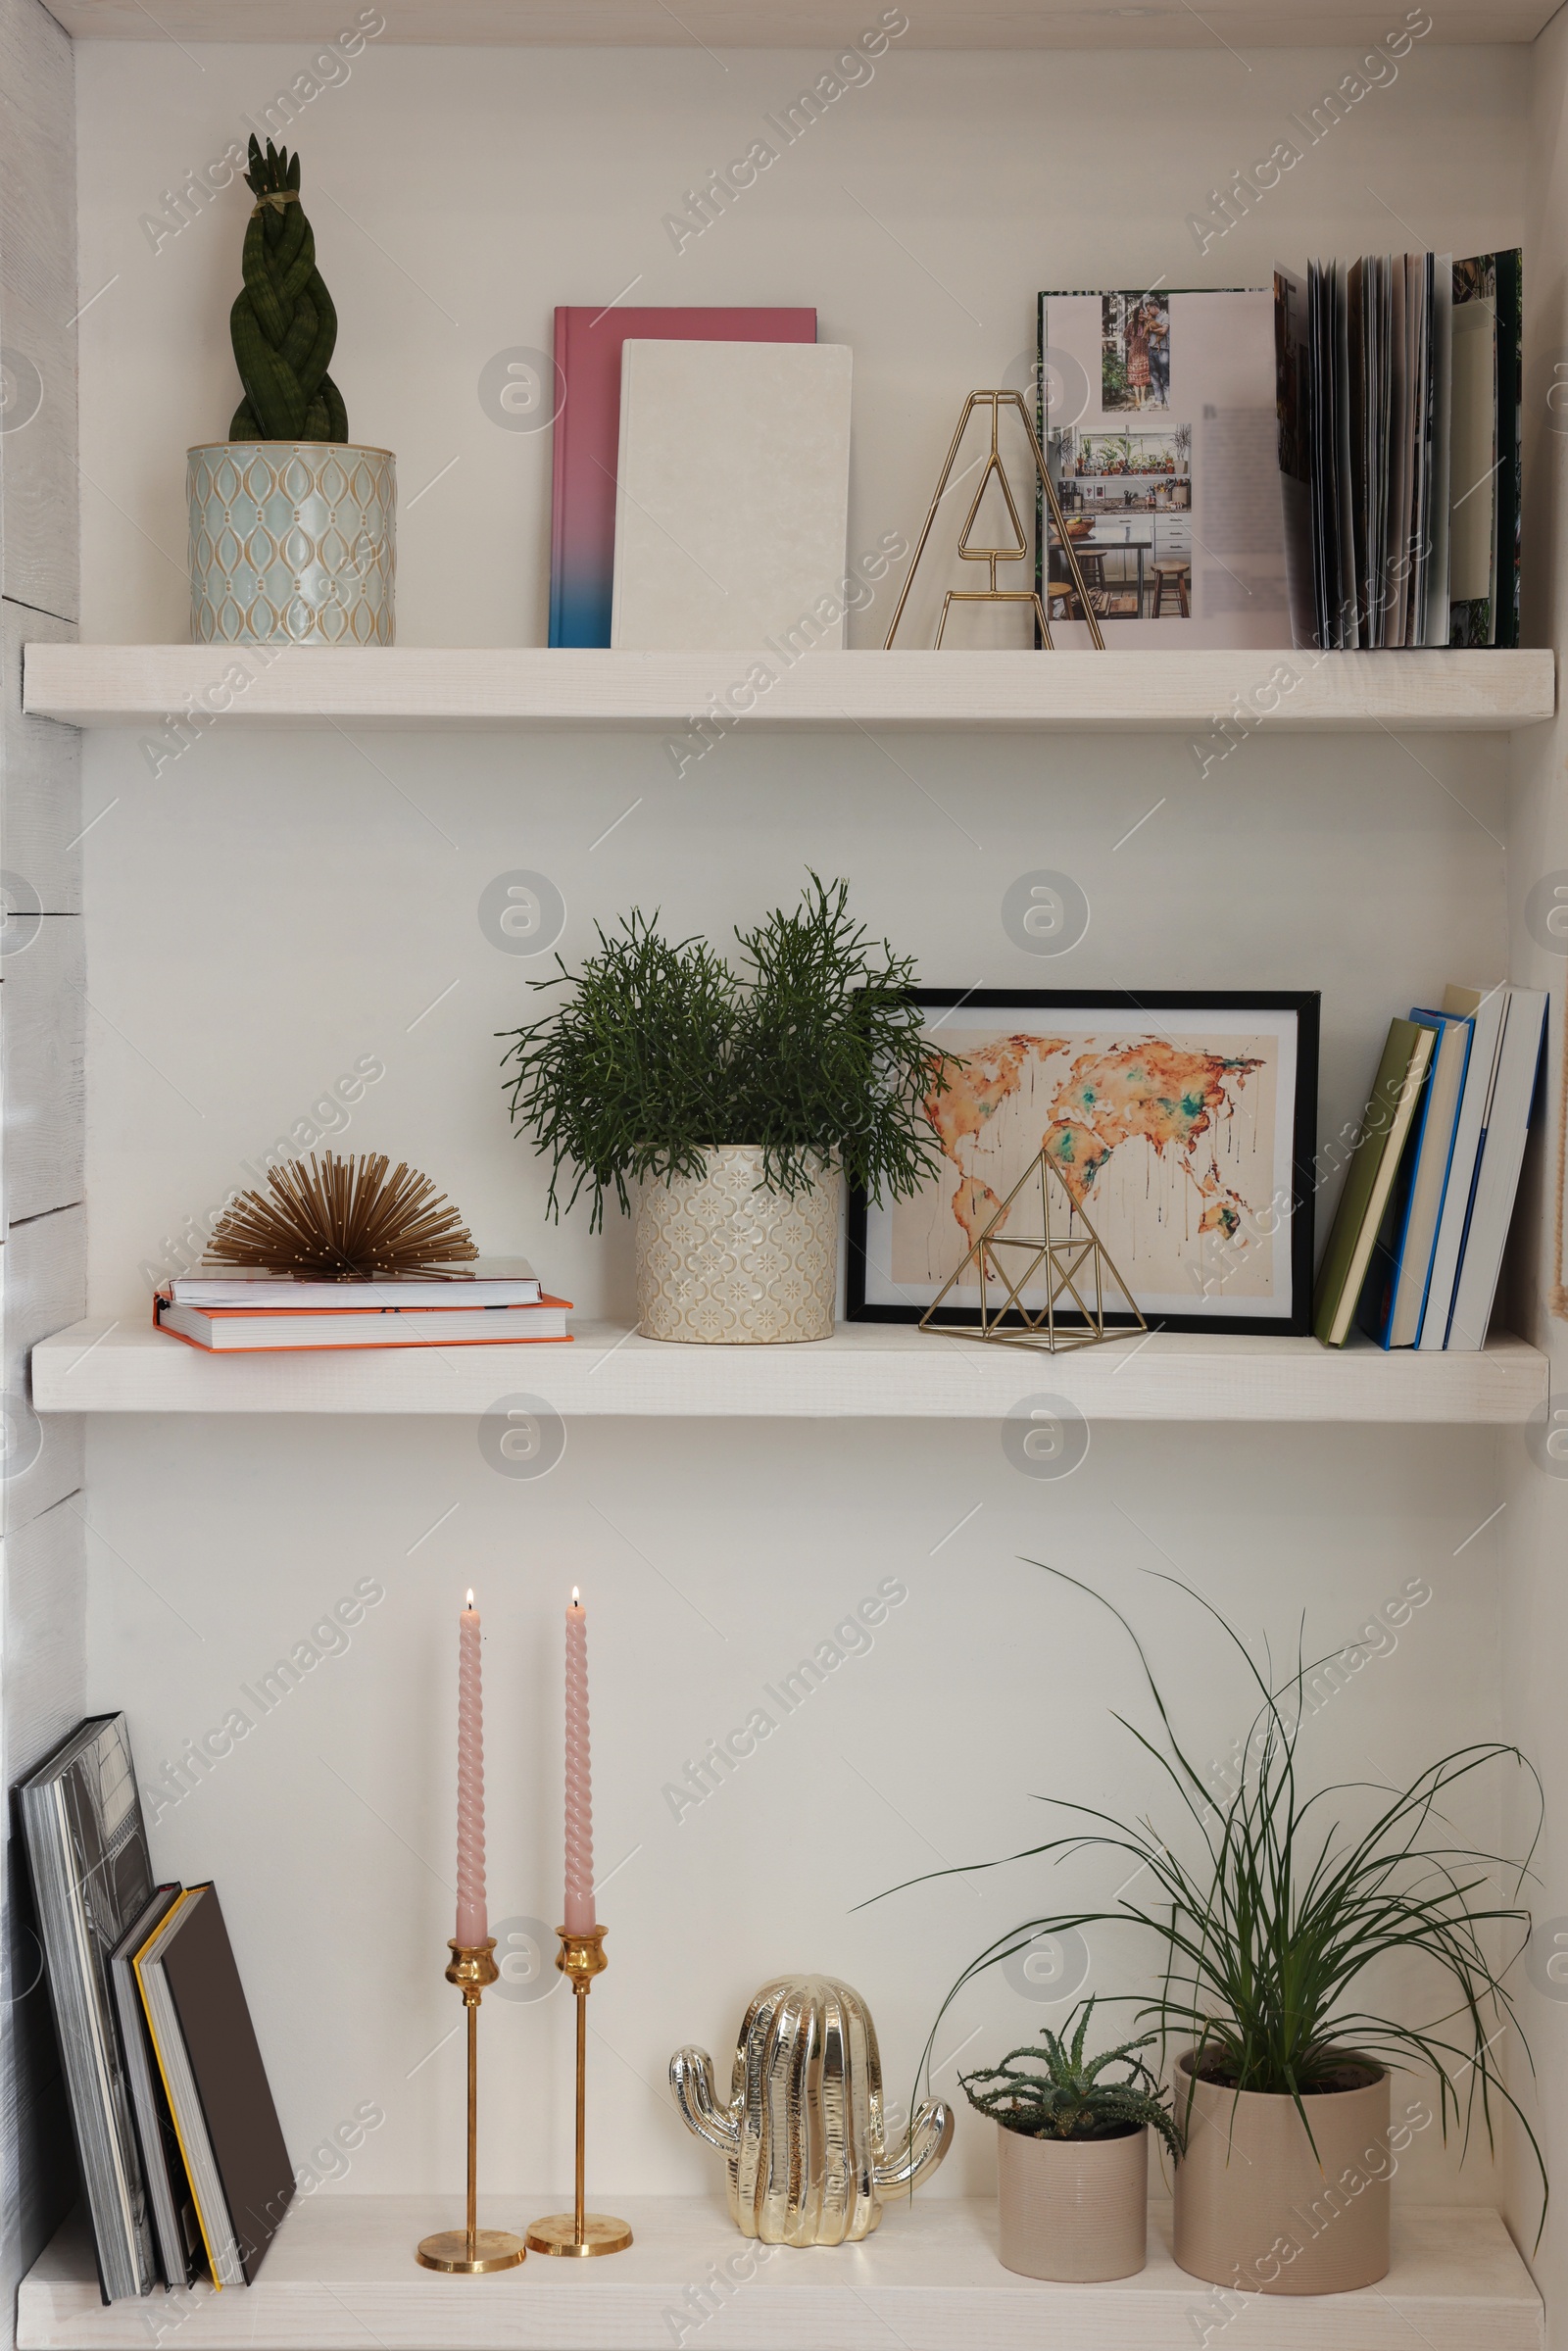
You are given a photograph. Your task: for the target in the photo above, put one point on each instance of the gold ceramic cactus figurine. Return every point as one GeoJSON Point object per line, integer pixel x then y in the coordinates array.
{"type": "Point", "coordinates": [803, 2133]}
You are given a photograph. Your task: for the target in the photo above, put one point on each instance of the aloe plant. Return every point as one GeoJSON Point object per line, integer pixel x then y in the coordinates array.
{"type": "Point", "coordinates": [1057, 2093]}
{"type": "Point", "coordinates": [282, 325]}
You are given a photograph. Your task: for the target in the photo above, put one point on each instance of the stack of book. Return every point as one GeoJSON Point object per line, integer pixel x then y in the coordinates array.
{"type": "Point", "coordinates": [183, 2161]}
{"type": "Point", "coordinates": [1400, 449]}
{"type": "Point", "coordinates": [494, 1301]}
{"type": "Point", "coordinates": [1416, 1249]}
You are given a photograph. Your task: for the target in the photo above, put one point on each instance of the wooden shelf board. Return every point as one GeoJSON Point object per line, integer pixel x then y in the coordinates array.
{"type": "Point", "coordinates": [341, 2276]}
{"type": "Point", "coordinates": [811, 23]}
{"type": "Point", "coordinates": [866, 1370]}
{"type": "Point", "coordinates": [425, 686]}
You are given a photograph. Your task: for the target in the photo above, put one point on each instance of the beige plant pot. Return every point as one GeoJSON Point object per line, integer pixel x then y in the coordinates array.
{"type": "Point", "coordinates": [722, 1261]}
{"type": "Point", "coordinates": [1258, 2210]}
{"type": "Point", "coordinates": [1073, 2210]}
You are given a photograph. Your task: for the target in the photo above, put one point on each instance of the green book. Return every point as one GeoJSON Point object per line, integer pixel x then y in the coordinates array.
{"type": "Point", "coordinates": [1401, 1074]}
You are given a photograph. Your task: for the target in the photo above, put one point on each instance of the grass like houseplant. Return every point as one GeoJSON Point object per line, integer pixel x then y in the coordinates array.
{"type": "Point", "coordinates": [769, 1083]}
{"type": "Point", "coordinates": [1072, 2152]}
{"type": "Point", "coordinates": [1266, 1906]}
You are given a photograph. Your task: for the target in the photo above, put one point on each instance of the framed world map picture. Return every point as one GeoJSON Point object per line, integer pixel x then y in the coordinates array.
{"type": "Point", "coordinates": [1182, 1127]}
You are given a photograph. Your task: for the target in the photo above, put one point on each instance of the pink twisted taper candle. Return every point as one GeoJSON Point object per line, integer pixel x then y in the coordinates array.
{"type": "Point", "coordinates": [473, 1927]}
{"type": "Point", "coordinates": [578, 1917]}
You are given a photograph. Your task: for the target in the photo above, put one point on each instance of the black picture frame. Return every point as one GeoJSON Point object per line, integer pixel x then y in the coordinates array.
{"type": "Point", "coordinates": [1146, 1006]}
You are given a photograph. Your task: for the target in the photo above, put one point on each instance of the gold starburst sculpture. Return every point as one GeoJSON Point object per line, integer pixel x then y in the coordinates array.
{"type": "Point", "coordinates": [344, 1220]}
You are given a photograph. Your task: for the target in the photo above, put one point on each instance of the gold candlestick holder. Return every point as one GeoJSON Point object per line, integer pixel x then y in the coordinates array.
{"type": "Point", "coordinates": [580, 2234]}
{"type": "Point", "coordinates": [469, 2252]}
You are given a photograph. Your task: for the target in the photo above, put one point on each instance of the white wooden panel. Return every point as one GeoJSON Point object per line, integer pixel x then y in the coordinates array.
{"type": "Point", "coordinates": [43, 1695]}
{"type": "Point", "coordinates": [42, 1024]}
{"type": "Point", "coordinates": [39, 550]}
{"type": "Point", "coordinates": [1178, 693]}
{"type": "Point", "coordinates": [43, 1642]}
{"type": "Point", "coordinates": [814, 24]}
{"type": "Point", "coordinates": [44, 1284]}
{"type": "Point", "coordinates": [341, 2272]}
{"type": "Point", "coordinates": [40, 773]}
{"type": "Point", "coordinates": [865, 1370]}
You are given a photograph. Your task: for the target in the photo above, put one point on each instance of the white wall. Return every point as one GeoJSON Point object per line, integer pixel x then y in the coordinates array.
{"type": "Point", "coordinates": [264, 913]}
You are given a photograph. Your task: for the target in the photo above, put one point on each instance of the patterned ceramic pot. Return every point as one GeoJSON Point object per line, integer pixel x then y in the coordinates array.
{"type": "Point", "coordinates": [724, 1260]}
{"type": "Point", "coordinates": [291, 543]}
{"type": "Point", "coordinates": [1073, 2210]}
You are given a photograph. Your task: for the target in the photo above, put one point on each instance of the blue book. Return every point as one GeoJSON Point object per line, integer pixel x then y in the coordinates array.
{"type": "Point", "coordinates": [1395, 1297]}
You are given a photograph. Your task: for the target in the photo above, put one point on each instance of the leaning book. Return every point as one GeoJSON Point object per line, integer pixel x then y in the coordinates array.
{"type": "Point", "coordinates": [91, 1877]}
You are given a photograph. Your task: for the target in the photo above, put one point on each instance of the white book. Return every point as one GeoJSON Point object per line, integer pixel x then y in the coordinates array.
{"type": "Point", "coordinates": [482, 1282]}
{"type": "Point", "coordinates": [732, 496]}
{"type": "Point", "coordinates": [1502, 1154]}
{"type": "Point", "coordinates": [263, 1330]}
{"type": "Point", "coordinates": [1485, 1009]}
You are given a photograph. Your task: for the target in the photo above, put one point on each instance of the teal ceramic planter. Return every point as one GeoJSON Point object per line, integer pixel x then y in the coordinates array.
{"type": "Point", "coordinates": [291, 543]}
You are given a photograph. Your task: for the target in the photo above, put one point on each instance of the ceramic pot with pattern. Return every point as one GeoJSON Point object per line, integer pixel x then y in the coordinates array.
{"type": "Point", "coordinates": [291, 543]}
{"type": "Point", "coordinates": [724, 1260]}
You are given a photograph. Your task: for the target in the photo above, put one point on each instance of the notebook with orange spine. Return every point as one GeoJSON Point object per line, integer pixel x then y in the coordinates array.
{"type": "Point", "coordinates": [284, 1330]}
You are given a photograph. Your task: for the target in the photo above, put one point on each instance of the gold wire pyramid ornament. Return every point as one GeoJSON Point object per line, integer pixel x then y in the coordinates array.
{"type": "Point", "coordinates": [1077, 1268]}
{"type": "Point", "coordinates": [345, 1220]}
{"type": "Point", "coordinates": [1019, 550]}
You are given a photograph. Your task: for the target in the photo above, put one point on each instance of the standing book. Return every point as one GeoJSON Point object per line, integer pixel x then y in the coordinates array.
{"type": "Point", "coordinates": [1515, 1090]}
{"type": "Point", "coordinates": [1483, 1008]}
{"type": "Point", "coordinates": [732, 496]}
{"type": "Point", "coordinates": [1390, 1114]}
{"type": "Point", "coordinates": [173, 2214]}
{"type": "Point", "coordinates": [1395, 1296]}
{"type": "Point", "coordinates": [587, 439]}
{"type": "Point", "coordinates": [241, 2179]}
{"type": "Point", "coordinates": [91, 1879]}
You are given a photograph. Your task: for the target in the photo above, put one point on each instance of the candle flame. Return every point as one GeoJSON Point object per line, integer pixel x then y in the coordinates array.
{"type": "Point", "coordinates": [470, 1595]}
{"type": "Point", "coordinates": [576, 1600]}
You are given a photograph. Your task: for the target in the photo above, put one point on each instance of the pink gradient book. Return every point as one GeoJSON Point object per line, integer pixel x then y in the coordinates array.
{"type": "Point", "coordinates": [587, 441]}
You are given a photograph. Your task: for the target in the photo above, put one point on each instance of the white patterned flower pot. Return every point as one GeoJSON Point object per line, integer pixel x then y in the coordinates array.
{"type": "Point", "coordinates": [291, 543]}
{"type": "Point", "coordinates": [723, 1260]}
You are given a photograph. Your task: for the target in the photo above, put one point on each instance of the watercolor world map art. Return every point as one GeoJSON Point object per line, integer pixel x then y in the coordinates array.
{"type": "Point", "coordinates": [1169, 1144]}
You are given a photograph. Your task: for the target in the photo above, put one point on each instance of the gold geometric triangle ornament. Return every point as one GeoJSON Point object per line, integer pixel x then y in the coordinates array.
{"type": "Point", "coordinates": [1076, 1268]}
{"type": "Point", "coordinates": [1013, 550]}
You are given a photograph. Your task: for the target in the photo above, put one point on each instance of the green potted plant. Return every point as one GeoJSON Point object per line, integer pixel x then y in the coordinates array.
{"type": "Point", "coordinates": [1266, 1907]}
{"type": "Point", "coordinates": [291, 524]}
{"type": "Point", "coordinates": [740, 1100]}
{"type": "Point", "coordinates": [1072, 2152]}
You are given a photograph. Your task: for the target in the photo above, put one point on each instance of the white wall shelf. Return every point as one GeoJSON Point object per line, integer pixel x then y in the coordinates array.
{"type": "Point", "coordinates": [342, 2276]}
{"type": "Point", "coordinates": [429, 686]}
{"type": "Point", "coordinates": [866, 1370]}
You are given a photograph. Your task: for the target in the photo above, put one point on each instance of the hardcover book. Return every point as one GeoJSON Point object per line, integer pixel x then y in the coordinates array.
{"type": "Point", "coordinates": [732, 496]}
{"type": "Point", "coordinates": [1157, 420]}
{"type": "Point", "coordinates": [91, 1879]}
{"type": "Point", "coordinates": [241, 2178]}
{"type": "Point", "coordinates": [587, 441]}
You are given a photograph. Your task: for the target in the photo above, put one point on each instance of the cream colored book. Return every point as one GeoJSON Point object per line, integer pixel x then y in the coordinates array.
{"type": "Point", "coordinates": [732, 496]}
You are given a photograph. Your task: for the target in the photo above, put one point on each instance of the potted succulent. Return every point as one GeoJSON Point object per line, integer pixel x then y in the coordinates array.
{"type": "Point", "coordinates": [1266, 1912]}
{"type": "Point", "coordinates": [740, 1100]}
{"type": "Point", "coordinates": [1072, 2153]}
{"type": "Point", "coordinates": [291, 524]}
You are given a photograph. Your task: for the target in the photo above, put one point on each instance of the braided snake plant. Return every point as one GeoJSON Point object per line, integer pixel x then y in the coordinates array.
{"type": "Point", "coordinates": [283, 323]}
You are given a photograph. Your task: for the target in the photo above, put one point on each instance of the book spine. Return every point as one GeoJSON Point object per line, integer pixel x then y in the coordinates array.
{"type": "Point", "coordinates": [558, 481]}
